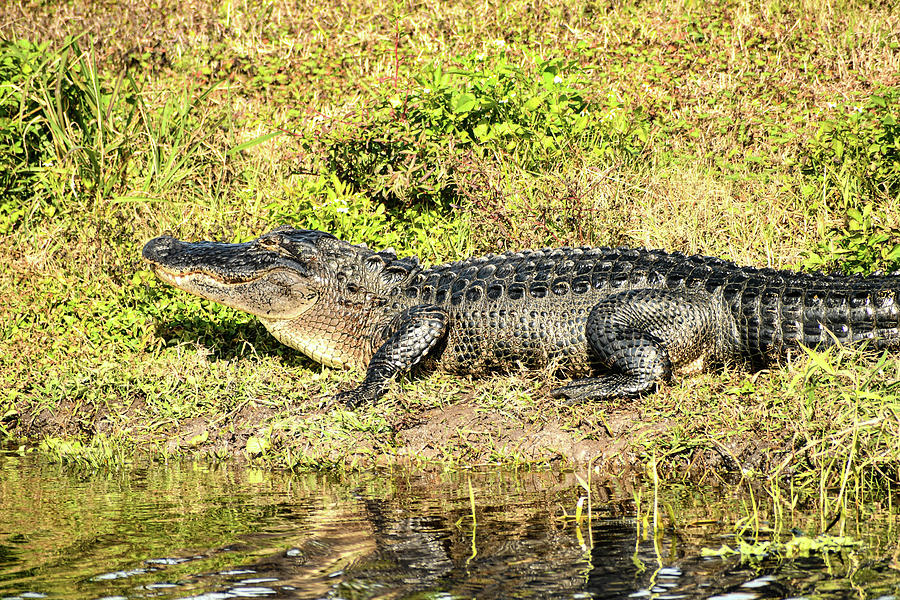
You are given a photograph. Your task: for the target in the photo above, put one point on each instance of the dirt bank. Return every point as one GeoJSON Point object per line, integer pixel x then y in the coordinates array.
{"type": "Point", "coordinates": [458, 430]}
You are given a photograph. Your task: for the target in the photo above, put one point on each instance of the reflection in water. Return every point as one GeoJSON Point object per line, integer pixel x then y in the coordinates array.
{"type": "Point", "coordinates": [198, 531]}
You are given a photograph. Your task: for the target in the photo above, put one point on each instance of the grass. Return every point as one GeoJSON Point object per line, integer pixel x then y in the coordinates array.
{"type": "Point", "coordinates": [753, 132]}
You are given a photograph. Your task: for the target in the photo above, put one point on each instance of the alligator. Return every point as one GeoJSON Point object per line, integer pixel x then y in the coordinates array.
{"type": "Point", "coordinates": [619, 321]}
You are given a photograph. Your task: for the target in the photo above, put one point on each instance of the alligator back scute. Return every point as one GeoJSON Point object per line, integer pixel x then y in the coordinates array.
{"type": "Point", "coordinates": [792, 316]}
{"type": "Point", "coordinates": [771, 309]}
{"type": "Point", "coordinates": [819, 311]}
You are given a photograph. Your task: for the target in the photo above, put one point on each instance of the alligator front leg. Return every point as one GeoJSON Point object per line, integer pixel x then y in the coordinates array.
{"type": "Point", "coordinates": [640, 336]}
{"type": "Point", "coordinates": [409, 339]}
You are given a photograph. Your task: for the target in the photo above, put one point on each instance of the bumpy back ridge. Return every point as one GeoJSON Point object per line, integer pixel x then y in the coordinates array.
{"type": "Point", "coordinates": [365, 269]}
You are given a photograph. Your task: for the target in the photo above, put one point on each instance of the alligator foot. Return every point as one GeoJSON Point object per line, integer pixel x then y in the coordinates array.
{"type": "Point", "coordinates": [356, 397]}
{"type": "Point", "coordinates": [604, 388]}
{"type": "Point", "coordinates": [633, 334]}
{"type": "Point", "coordinates": [408, 339]}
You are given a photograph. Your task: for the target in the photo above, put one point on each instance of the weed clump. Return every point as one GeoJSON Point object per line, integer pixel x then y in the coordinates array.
{"type": "Point", "coordinates": [411, 143]}
{"type": "Point", "coordinates": [853, 162]}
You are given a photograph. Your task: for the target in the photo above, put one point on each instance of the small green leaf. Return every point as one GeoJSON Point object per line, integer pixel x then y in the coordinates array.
{"type": "Point", "coordinates": [464, 103]}
{"type": "Point", "coordinates": [254, 142]}
{"type": "Point", "coordinates": [256, 445]}
{"type": "Point", "coordinates": [198, 439]}
{"type": "Point", "coordinates": [894, 254]}
{"type": "Point", "coordinates": [533, 103]}
{"type": "Point", "coordinates": [548, 79]}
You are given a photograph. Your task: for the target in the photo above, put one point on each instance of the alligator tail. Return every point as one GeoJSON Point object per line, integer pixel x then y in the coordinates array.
{"type": "Point", "coordinates": [780, 312]}
{"type": "Point", "coordinates": [848, 310]}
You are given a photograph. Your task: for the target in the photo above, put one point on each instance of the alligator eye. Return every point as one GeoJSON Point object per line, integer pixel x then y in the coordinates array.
{"type": "Point", "coordinates": [269, 242]}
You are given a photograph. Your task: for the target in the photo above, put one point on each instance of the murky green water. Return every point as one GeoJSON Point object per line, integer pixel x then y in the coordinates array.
{"type": "Point", "coordinates": [191, 530]}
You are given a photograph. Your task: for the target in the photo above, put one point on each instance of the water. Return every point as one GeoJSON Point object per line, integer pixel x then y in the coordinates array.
{"type": "Point", "coordinates": [190, 530]}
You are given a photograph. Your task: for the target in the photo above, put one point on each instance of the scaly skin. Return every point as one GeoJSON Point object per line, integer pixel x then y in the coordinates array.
{"type": "Point", "coordinates": [621, 320]}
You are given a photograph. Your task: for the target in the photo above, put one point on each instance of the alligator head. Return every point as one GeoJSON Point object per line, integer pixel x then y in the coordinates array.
{"type": "Point", "coordinates": [298, 282]}
{"type": "Point", "coordinates": [271, 277]}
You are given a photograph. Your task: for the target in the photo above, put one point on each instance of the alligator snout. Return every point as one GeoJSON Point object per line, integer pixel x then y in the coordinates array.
{"type": "Point", "coordinates": [230, 263]}
{"type": "Point", "coordinates": [158, 248]}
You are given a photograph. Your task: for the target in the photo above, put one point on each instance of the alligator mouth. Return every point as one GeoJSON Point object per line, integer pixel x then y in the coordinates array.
{"type": "Point", "coordinates": [180, 277]}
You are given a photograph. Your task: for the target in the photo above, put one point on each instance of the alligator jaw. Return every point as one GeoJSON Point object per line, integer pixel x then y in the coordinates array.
{"type": "Point", "coordinates": [246, 276]}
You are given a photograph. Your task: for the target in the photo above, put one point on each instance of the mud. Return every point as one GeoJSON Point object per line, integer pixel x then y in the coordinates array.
{"type": "Point", "coordinates": [460, 434]}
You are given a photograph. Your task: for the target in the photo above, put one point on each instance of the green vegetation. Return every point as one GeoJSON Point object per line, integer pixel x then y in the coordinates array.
{"type": "Point", "coordinates": [762, 133]}
{"type": "Point", "coordinates": [798, 546]}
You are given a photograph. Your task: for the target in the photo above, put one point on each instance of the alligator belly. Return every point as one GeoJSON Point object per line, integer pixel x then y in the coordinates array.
{"type": "Point", "coordinates": [492, 339]}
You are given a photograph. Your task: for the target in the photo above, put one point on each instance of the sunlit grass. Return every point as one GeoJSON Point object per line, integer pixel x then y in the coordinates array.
{"type": "Point", "coordinates": [701, 134]}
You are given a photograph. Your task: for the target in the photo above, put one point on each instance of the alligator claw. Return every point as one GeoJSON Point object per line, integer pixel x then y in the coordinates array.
{"type": "Point", "coordinates": [603, 388]}
{"type": "Point", "coordinates": [353, 398]}
{"type": "Point", "coordinates": [350, 398]}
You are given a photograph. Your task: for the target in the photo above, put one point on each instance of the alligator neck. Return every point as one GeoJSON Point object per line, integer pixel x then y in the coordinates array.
{"type": "Point", "coordinates": [336, 334]}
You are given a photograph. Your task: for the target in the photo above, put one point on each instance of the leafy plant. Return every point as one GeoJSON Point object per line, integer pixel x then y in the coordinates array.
{"type": "Point", "coordinates": [863, 243]}
{"type": "Point", "coordinates": [61, 122]}
{"type": "Point", "coordinates": [859, 153]}
{"type": "Point", "coordinates": [176, 136]}
{"type": "Point", "coordinates": [855, 160]}
{"type": "Point", "coordinates": [328, 204]}
{"type": "Point", "coordinates": [25, 142]}
{"type": "Point", "coordinates": [407, 148]}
